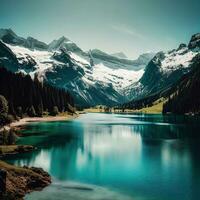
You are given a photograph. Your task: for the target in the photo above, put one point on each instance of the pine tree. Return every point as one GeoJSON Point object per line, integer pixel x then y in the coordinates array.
{"type": "Point", "coordinates": [54, 111]}
{"type": "Point", "coordinates": [19, 111]}
{"type": "Point", "coordinates": [31, 112]}
{"type": "Point", "coordinates": [3, 105]}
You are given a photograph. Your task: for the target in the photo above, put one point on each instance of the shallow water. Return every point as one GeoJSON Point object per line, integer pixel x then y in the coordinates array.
{"type": "Point", "coordinates": [116, 156]}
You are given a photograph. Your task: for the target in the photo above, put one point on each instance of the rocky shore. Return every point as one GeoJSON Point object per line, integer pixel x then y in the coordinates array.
{"type": "Point", "coordinates": [16, 182]}
{"type": "Point", "coordinates": [14, 149]}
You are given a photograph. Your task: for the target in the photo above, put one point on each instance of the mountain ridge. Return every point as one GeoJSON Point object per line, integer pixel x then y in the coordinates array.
{"type": "Point", "coordinates": [165, 69]}
{"type": "Point", "coordinates": [63, 64]}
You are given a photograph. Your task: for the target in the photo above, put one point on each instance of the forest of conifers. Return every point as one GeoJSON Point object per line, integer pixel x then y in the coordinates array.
{"type": "Point", "coordinates": [31, 97]}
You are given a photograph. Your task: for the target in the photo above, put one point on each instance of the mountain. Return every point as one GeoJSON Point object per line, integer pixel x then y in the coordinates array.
{"type": "Point", "coordinates": [165, 69]}
{"type": "Point", "coordinates": [116, 63]}
{"type": "Point", "coordinates": [120, 55]}
{"type": "Point", "coordinates": [185, 97]}
{"type": "Point", "coordinates": [9, 37]}
{"type": "Point", "coordinates": [96, 77]}
{"type": "Point", "coordinates": [145, 58]}
{"type": "Point", "coordinates": [65, 43]}
{"type": "Point", "coordinates": [92, 77]}
{"type": "Point", "coordinates": [27, 96]}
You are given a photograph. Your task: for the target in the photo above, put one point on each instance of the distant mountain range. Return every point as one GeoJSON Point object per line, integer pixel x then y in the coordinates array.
{"type": "Point", "coordinates": [173, 75]}
{"type": "Point", "coordinates": [96, 77]}
{"type": "Point", "coordinates": [92, 77]}
{"type": "Point", "coordinates": [165, 69]}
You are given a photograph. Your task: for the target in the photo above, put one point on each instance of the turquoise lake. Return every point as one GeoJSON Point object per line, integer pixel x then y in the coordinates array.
{"type": "Point", "coordinates": [116, 157]}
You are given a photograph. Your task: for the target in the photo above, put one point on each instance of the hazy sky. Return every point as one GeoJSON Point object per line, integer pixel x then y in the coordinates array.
{"type": "Point", "coordinates": [131, 26]}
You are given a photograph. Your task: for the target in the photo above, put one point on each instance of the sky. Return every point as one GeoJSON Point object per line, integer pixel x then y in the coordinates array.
{"type": "Point", "coordinates": [130, 26]}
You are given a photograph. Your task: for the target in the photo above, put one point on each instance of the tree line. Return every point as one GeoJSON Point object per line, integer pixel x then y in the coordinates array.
{"type": "Point", "coordinates": [186, 95]}
{"type": "Point", "coordinates": [32, 97]}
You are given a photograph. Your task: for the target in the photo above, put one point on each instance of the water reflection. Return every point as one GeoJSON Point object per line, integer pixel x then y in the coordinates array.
{"type": "Point", "coordinates": [143, 156]}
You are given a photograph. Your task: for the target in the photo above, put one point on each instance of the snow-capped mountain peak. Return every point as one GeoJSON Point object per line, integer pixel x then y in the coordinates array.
{"type": "Point", "coordinates": [165, 69]}
{"type": "Point", "coordinates": [4, 32]}
{"type": "Point", "coordinates": [56, 44]}
{"type": "Point", "coordinates": [65, 43]}
{"type": "Point", "coordinates": [92, 77]}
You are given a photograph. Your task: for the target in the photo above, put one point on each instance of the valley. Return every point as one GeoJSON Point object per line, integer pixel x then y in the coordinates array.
{"type": "Point", "coordinates": [92, 77]}
{"type": "Point", "coordinates": [95, 77]}
{"type": "Point", "coordinates": [99, 100]}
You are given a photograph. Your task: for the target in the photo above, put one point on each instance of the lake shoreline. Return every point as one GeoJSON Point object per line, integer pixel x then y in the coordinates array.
{"type": "Point", "coordinates": [41, 179]}
{"type": "Point", "coordinates": [16, 182]}
{"type": "Point", "coordinates": [19, 125]}
{"type": "Point", "coordinates": [27, 120]}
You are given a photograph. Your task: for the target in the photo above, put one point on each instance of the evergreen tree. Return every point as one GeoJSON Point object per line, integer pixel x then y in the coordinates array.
{"type": "Point", "coordinates": [27, 96]}
{"type": "Point", "coordinates": [31, 112]}
{"type": "Point", "coordinates": [19, 111]}
{"type": "Point", "coordinates": [3, 105]}
{"type": "Point", "coordinates": [40, 110]}
{"type": "Point", "coordinates": [54, 111]}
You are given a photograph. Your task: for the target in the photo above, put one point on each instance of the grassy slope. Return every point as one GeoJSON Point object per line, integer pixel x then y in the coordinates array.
{"type": "Point", "coordinates": [19, 170]}
{"type": "Point", "coordinates": [155, 109]}
{"type": "Point", "coordinates": [4, 149]}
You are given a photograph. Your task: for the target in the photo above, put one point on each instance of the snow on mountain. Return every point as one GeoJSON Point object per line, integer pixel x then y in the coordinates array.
{"type": "Point", "coordinates": [165, 69]}
{"type": "Point", "coordinates": [78, 58]}
{"type": "Point", "coordinates": [176, 59]}
{"type": "Point", "coordinates": [120, 78]}
{"type": "Point", "coordinates": [64, 42]}
{"type": "Point", "coordinates": [96, 77]}
{"type": "Point", "coordinates": [42, 59]}
{"type": "Point", "coordinates": [99, 83]}
{"type": "Point", "coordinates": [93, 77]}
{"type": "Point", "coordinates": [9, 37]}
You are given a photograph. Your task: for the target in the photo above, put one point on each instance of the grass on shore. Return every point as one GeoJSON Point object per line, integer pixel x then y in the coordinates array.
{"type": "Point", "coordinates": [15, 169]}
{"type": "Point", "coordinates": [156, 108]}
{"type": "Point", "coordinates": [5, 149]}
{"type": "Point", "coordinates": [14, 149]}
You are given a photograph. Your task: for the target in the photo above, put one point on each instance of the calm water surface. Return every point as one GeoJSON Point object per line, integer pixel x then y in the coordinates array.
{"type": "Point", "coordinates": [116, 157]}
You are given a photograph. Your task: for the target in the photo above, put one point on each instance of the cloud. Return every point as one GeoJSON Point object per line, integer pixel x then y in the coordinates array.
{"type": "Point", "coordinates": [128, 31]}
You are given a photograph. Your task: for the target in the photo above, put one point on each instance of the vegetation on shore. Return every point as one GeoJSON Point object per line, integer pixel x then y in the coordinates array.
{"type": "Point", "coordinates": [154, 108]}
{"type": "Point", "coordinates": [21, 96]}
{"type": "Point", "coordinates": [14, 149]}
{"type": "Point", "coordinates": [18, 181]}
{"type": "Point", "coordinates": [186, 96]}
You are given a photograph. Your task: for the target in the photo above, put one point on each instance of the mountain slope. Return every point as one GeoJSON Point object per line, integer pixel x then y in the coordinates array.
{"type": "Point", "coordinates": [92, 77]}
{"type": "Point", "coordinates": [115, 62]}
{"type": "Point", "coordinates": [119, 55]}
{"type": "Point", "coordinates": [65, 43]}
{"type": "Point", "coordinates": [186, 97]}
{"type": "Point", "coordinates": [164, 70]}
